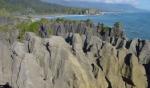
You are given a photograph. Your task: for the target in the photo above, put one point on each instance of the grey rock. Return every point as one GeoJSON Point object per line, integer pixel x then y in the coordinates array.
{"type": "Point", "coordinates": [145, 53]}
{"type": "Point", "coordinates": [54, 63]}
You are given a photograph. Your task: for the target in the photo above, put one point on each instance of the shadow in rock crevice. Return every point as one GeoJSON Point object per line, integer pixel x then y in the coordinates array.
{"type": "Point", "coordinates": [140, 46]}
{"type": "Point", "coordinates": [69, 39]}
{"type": "Point", "coordinates": [147, 69]}
{"type": "Point", "coordinates": [128, 81]}
{"type": "Point", "coordinates": [7, 85]}
{"type": "Point", "coordinates": [98, 63]}
{"type": "Point", "coordinates": [128, 44]}
{"type": "Point", "coordinates": [127, 59]}
{"type": "Point", "coordinates": [109, 83]}
{"type": "Point", "coordinates": [94, 70]}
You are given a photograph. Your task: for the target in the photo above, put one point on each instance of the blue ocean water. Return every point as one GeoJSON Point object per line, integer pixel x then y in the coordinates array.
{"type": "Point", "coordinates": [136, 25]}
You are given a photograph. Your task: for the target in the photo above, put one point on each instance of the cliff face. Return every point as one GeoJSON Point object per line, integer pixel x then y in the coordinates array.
{"type": "Point", "coordinates": [73, 60]}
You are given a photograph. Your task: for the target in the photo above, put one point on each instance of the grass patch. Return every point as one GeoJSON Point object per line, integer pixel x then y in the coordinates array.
{"type": "Point", "coordinates": [32, 27]}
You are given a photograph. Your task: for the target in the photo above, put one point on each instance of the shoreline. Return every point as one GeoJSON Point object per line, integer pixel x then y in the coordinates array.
{"type": "Point", "coordinates": [38, 17]}
{"type": "Point", "coordinates": [58, 16]}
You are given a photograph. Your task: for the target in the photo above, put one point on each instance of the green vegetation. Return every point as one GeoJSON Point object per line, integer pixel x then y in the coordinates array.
{"type": "Point", "coordinates": [32, 27]}
{"type": "Point", "coordinates": [29, 26]}
{"type": "Point", "coordinates": [59, 20]}
{"type": "Point", "coordinates": [63, 20]}
{"type": "Point", "coordinates": [75, 10]}
{"type": "Point", "coordinates": [27, 7]}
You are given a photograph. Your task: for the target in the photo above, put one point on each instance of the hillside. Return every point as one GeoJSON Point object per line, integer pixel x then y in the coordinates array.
{"type": "Point", "coordinates": [97, 5]}
{"type": "Point", "coordinates": [36, 7]}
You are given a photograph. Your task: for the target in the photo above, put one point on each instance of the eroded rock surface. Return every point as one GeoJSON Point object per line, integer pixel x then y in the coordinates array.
{"type": "Point", "coordinates": [73, 60]}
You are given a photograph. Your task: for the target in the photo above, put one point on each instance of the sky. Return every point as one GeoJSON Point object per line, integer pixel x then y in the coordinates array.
{"type": "Point", "coordinates": [143, 4]}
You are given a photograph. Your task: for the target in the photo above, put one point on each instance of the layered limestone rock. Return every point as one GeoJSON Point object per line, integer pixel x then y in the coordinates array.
{"type": "Point", "coordinates": [78, 61]}
{"type": "Point", "coordinates": [133, 72]}
{"type": "Point", "coordinates": [5, 60]}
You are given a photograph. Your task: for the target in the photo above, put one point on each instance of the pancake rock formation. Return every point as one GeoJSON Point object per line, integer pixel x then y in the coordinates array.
{"type": "Point", "coordinates": [74, 59]}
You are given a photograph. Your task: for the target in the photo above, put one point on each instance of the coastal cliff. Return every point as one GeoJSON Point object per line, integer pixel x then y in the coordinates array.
{"type": "Point", "coordinates": [75, 56]}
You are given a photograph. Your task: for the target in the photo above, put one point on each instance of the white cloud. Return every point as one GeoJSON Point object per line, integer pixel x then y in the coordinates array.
{"type": "Point", "coordinates": [110, 1]}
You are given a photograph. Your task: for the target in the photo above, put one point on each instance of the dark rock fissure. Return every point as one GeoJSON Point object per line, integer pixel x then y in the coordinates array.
{"type": "Point", "coordinates": [94, 70]}
{"type": "Point", "coordinates": [111, 40]}
{"type": "Point", "coordinates": [7, 85]}
{"type": "Point", "coordinates": [98, 63]}
{"type": "Point", "coordinates": [127, 59]}
{"type": "Point", "coordinates": [115, 42]}
{"type": "Point", "coordinates": [49, 51]}
{"type": "Point", "coordinates": [69, 39]}
{"type": "Point", "coordinates": [85, 46]}
{"type": "Point", "coordinates": [29, 48]}
{"type": "Point", "coordinates": [19, 72]}
{"type": "Point", "coordinates": [102, 45]}
{"type": "Point", "coordinates": [58, 30]}
{"type": "Point", "coordinates": [147, 69]}
{"type": "Point", "coordinates": [102, 32]}
{"type": "Point", "coordinates": [139, 47]}
{"type": "Point", "coordinates": [128, 81]}
{"type": "Point", "coordinates": [128, 44]}
{"type": "Point", "coordinates": [109, 83]}
{"type": "Point", "coordinates": [12, 68]}
{"type": "Point", "coordinates": [118, 53]}
{"type": "Point", "coordinates": [120, 44]}
{"type": "Point", "coordinates": [109, 32]}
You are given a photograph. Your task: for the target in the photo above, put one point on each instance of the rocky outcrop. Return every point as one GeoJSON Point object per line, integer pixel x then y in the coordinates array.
{"type": "Point", "coordinates": [74, 59]}
{"type": "Point", "coordinates": [5, 60]}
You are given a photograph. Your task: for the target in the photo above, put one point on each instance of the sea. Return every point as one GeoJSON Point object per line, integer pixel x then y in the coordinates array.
{"type": "Point", "coordinates": [135, 25]}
